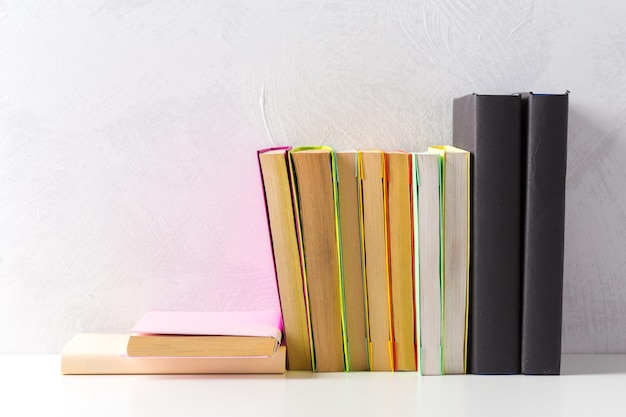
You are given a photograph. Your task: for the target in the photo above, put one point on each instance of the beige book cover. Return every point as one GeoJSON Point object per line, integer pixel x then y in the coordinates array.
{"type": "Point", "coordinates": [90, 354]}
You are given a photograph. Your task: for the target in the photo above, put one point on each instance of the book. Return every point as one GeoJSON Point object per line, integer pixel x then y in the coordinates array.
{"type": "Point", "coordinates": [400, 242]}
{"type": "Point", "coordinates": [372, 167]}
{"type": "Point", "coordinates": [93, 354]}
{"type": "Point", "coordinates": [489, 127]}
{"type": "Point", "coordinates": [455, 223]}
{"type": "Point", "coordinates": [278, 190]}
{"type": "Point", "coordinates": [544, 162]}
{"type": "Point", "coordinates": [349, 196]}
{"type": "Point", "coordinates": [206, 333]}
{"type": "Point", "coordinates": [314, 173]}
{"type": "Point", "coordinates": [428, 254]}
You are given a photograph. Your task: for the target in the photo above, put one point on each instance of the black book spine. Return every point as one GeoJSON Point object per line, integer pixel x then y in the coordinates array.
{"type": "Point", "coordinates": [489, 127]}
{"type": "Point", "coordinates": [545, 151]}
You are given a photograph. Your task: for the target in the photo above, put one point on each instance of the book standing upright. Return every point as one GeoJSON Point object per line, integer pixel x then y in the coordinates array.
{"type": "Point", "coordinates": [544, 162]}
{"type": "Point", "coordinates": [400, 224]}
{"type": "Point", "coordinates": [489, 127]}
{"type": "Point", "coordinates": [349, 196]}
{"type": "Point", "coordinates": [455, 221]}
{"type": "Point", "coordinates": [372, 165]}
{"type": "Point", "coordinates": [315, 194]}
{"type": "Point", "coordinates": [277, 186]}
{"type": "Point", "coordinates": [428, 265]}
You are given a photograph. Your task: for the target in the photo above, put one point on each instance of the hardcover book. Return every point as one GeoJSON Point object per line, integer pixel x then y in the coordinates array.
{"type": "Point", "coordinates": [544, 160]}
{"type": "Point", "coordinates": [278, 190]}
{"type": "Point", "coordinates": [489, 127]}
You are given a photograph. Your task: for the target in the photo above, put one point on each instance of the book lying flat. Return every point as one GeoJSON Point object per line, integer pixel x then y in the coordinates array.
{"type": "Point", "coordinates": [206, 333]}
{"type": "Point", "coordinates": [98, 354]}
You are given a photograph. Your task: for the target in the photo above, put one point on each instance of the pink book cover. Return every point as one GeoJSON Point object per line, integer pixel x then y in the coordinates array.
{"type": "Point", "coordinates": [212, 323]}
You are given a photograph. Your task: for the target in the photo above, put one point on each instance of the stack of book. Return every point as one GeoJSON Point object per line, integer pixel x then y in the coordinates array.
{"type": "Point", "coordinates": [183, 342]}
{"type": "Point", "coordinates": [445, 262]}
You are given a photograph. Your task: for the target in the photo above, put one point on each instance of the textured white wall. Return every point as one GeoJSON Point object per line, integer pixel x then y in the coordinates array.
{"type": "Point", "coordinates": [128, 133]}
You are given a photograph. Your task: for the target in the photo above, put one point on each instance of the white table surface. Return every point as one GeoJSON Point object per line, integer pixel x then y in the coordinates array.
{"type": "Point", "coordinates": [590, 385]}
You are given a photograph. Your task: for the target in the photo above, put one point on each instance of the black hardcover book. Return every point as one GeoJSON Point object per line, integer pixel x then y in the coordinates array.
{"type": "Point", "coordinates": [545, 159]}
{"type": "Point", "coordinates": [489, 127]}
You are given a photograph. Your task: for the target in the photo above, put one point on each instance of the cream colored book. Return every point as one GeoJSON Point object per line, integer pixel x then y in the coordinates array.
{"type": "Point", "coordinates": [455, 256]}
{"type": "Point", "coordinates": [89, 354]}
{"type": "Point", "coordinates": [400, 224]}
{"type": "Point", "coordinates": [374, 209]}
{"type": "Point", "coordinates": [349, 193]}
{"type": "Point", "coordinates": [428, 266]}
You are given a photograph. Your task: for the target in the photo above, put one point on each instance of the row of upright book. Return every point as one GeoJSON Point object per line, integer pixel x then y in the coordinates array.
{"type": "Point", "coordinates": [444, 262]}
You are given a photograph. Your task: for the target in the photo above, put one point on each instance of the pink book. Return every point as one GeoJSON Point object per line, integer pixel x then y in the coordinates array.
{"type": "Point", "coordinates": [206, 333]}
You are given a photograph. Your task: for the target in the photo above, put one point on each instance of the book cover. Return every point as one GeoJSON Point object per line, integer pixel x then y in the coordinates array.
{"type": "Point", "coordinates": [544, 163]}
{"type": "Point", "coordinates": [99, 354]}
{"type": "Point", "coordinates": [400, 246]}
{"type": "Point", "coordinates": [429, 261]}
{"type": "Point", "coordinates": [489, 127]}
{"type": "Point", "coordinates": [352, 261]}
{"type": "Point", "coordinates": [374, 207]}
{"type": "Point", "coordinates": [455, 225]}
{"type": "Point", "coordinates": [278, 190]}
{"type": "Point", "coordinates": [206, 333]}
{"type": "Point", "coordinates": [314, 173]}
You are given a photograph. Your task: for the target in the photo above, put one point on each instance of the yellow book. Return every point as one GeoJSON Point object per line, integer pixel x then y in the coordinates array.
{"type": "Point", "coordinates": [349, 192]}
{"type": "Point", "coordinates": [374, 209]}
{"type": "Point", "coordinates": [314, 174]}
{"type": "Point", "coordinates": [400, 226]}
{"type": "Point", "coordinates": [277, 186]}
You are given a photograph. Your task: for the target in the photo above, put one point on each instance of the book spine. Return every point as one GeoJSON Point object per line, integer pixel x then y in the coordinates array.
{"type": "Point", "coordinates": [490, 128]}
{"type": "Point", "coordinates": [545, 160]}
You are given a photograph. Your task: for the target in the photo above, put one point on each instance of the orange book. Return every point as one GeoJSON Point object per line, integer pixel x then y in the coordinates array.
{"type": "Point", "coordinates": [372, 168]}
{"type": "Point", "coordinates": [400, 234]}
